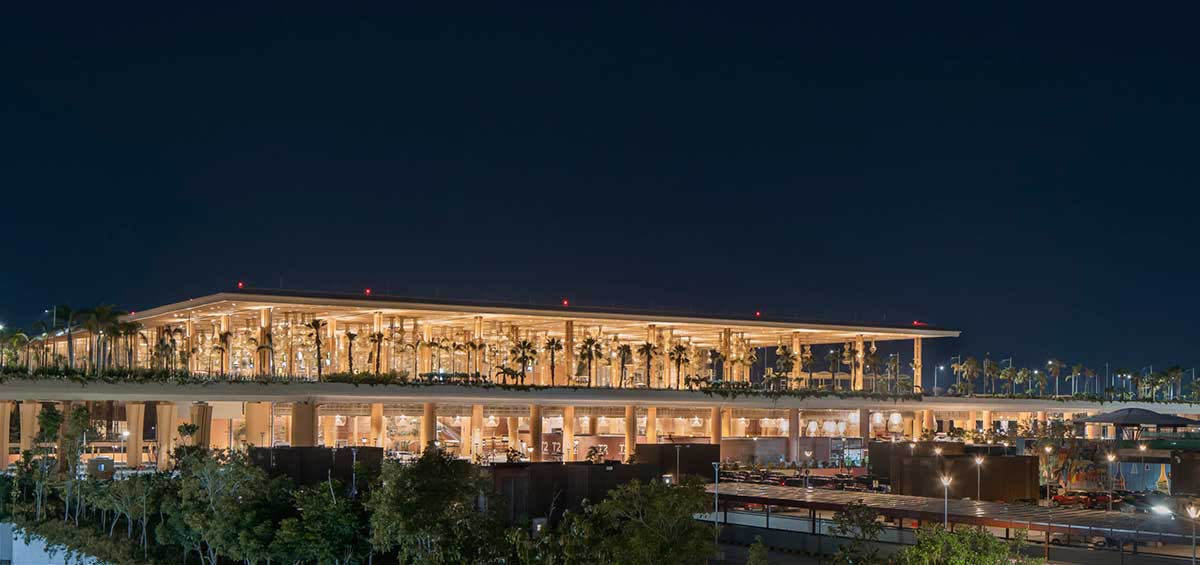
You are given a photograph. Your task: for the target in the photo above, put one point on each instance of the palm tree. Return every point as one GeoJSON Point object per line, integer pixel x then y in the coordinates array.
{"type": "Point", "coordinates": [1054, 368]}
{"type": "Point", "coordinates": [552, 346]}
{"type": "Point", "coordinates": [1076, 372]}
{"type": "Point", "coordinates": [624, 356]}
{"type": "Point", "coordinates": [679, 356]}
{"type": "Point", "coordinates": [19, 340]}
{"type": "Point", "coordinates": [524, 352]}
{"type": "Point", "coordinates": [714, 357]}
{"type": "Point", "coordinates": [97, 320]}
{"type": "Point", "coordinates": [748, 359]}
{"type": "Point", "coordinates": [69, 318]}
{"type": "Point", "coordinates": [871, 363]}
{"type": "Point", "coordinates": [1024, 376]}
{"type": "Point", "coordinates": [991, 370]}
{"type": "Point", "coordinates": [785, 360]}
{"type": "Point", "coordinates": [317, 326]}
{"type": "Point", "coordinates": [350, 337]}
{"type": "Point", "coordinates": [265, 351]}
{"type": "Point", "coordinates": [1173, 375]}
{"type": "Point", "coordinates": [835, 363]}
{"type": "Point", "coordinates": [1089, 375]}
{"type": "Point", "coordinates": [1009, 374]}
{"type": "Point", "coordinates": [589, 351]}
{"type": "Point", "coordinates": [969, 371]}
{"type": "Point", "coordinates": [376, 340]}
{"type": "Point", "coordinates": [648, 350]}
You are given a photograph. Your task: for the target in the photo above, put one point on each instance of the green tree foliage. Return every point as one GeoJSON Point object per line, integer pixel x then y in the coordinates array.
{"type": "Point", "coordinates": [860, 523]}
{"type": "Point", "coordinates": [430, 512]}
{"type": "Point", "coordinates": [330, 528]}
{"type": "Point", "coordinates": [758, 553]}
{"type": "Point", "coordinates": [964, 546]}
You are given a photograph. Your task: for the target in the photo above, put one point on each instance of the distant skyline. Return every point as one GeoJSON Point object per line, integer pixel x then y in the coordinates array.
{"type": "Point", "coordinates": [1024, 176]}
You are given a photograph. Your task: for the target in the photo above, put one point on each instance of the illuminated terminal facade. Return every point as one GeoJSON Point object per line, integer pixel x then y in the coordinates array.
{"type": "Point", "coordinates": [493, 381]}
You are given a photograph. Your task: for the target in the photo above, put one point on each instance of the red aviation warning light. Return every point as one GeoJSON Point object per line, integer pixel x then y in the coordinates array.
{"type": "Point", "coordinates": [367, 291]}
{"type": "Point", "coordinates": [566, 303]}
{"type": "Point", "coordinates": [241, 285]}
{"type": "Point", "coordinates": [919, 323]}
{"type": "Point", "coordinates": [758, 313]}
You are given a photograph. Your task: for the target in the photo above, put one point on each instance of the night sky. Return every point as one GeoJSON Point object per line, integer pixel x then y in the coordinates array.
{"type": "Point", "coordinates": [1025, 176]}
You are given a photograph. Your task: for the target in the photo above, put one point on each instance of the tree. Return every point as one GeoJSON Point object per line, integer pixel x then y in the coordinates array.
{"type": "Point", "coordinates": [98, 320]}
{"type": "Point", "coordinates": [648, 350]}
{"type": "Point", "coordinates": [974, 545]}
{"type": "Point", "coordinates": [589, 351]}
{"type": "Point", "coordinates": [552, 346]}
{"type": "Point", "coordinates": [1023, 377]}
{"type": "Point", "coordinates": [350, 337]}
{"type": "Point", "coordinates": [759, 555]}
{"type": "Point", "coordinates": [1009, 375]}
{"type": "Point", "coordinates": [428, 512]}
{"type": "Point", "coordinates": [69, 320]}
{"type": "Point", "coordinates": [990, 371]}
{"type": "Point", "coordinates": [318, 329]}
{"type": "Point", "coordinates": [524, 352]}
{"type": "Point", "coordinates": [329, 528]}
{"type": "Point", "coordinates": [1173, 376]}
{"type": "Point", "coordinates": [376, 340]}
{"type": "Point", "coordinates": [228, 503]}
{"type": "Point", "coordinates": [860, 523]}
{"type": "Point", "coordinates": [785, 360]}
{"type": "Point", "coordinates": [835, 361]}
{"type": "Point", "coordinates": [654, 523]}
{"type": "Point", "coordinates": [1076, 372]}
{"type": "Point", "coordinates": [1054, 368]}
{"type": "Point", "coordinates": [966, 371]}
{"type": "Point", "coordinates": [679, 356]}
{"type": "Point", "coordinates": [624, 357]}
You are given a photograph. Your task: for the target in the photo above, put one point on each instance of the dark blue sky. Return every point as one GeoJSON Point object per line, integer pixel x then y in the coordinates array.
{"type": "Point", "coordinates": [1024, 175]}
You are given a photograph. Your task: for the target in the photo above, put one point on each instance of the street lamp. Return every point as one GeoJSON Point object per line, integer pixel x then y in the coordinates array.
{"type": "Point", "coordinates": [1142, 453]}
{"type": "Point", "coordinates": [946, 501]}
{"type": "Point", "coordinates": [940, 368]}
{"type": "Point", "coordinates": [716, 492]}
{"type": "Point", "coordinates": [1048, 449]}
{"type": "Point", "coordinates": [978, 471]}
{"type": "Point", "coordinates": [808, 471]}
{"type": "Point", "coordinates": [1193, 513]}
{"type": "Point", "coordinates": [1112, 478]}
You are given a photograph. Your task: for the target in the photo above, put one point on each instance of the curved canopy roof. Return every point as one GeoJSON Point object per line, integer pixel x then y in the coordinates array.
{"type": "Point", "coordinates": [1139, 417]}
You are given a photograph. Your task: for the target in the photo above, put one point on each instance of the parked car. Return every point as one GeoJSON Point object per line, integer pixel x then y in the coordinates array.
{"type": "Point", "coordinates": [1071, 498]}
{"type": "Point", "coordinates": [1100, 500]}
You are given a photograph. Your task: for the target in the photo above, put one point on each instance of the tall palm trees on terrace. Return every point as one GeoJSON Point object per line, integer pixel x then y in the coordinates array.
{"type": "Point", "coordinates": [350, 337]}
{"type": "Point", "coordinates": [679, 356]}
{"type": "Point", "coordinates": [317, 326]}
{"type": "Point", "coordinates": [990, 371]}
{"type": "Point", "coordinates": [376, 340]}
{"type": "Point", "coordinates": [589, 351]}
{"type": "Point", "coordinates": [835, 363]}
{"type": "Point", "coordinates": [98, 320]}
{"type": "Point", "coordinates": [524, 353]}
{"type": "Point", "coordinates": [1009, 375]}
{"type": "Point", "coordinates": [552, 346]}
{"type": "Point", "coordinates": [1054, 368]}
{"type": "Point", "coordinates": [69, 319]}
{"type": "Point", "coordinates": [714, 360]}
{"type": "Point", "coordinates": [785, 360]}
{"type": "Point", "coordinates": [966, 371]}
{"type": "Point", "coordinates": [624, 356]}
{"type": "Point", "coordinates": [648, 351]}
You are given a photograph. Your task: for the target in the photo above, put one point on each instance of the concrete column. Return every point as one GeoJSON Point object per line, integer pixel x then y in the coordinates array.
{"type": "Point", "coordinates": [1091, 431]}
{"type": "Point", "coordinates": [201, 417]}
{"type": "Point", "coordinates": [164, 433]}
{"type": "Point", "coordinates": [930, 420]}
{"type": "Point", "coordinates": [476, 431]}
{"type": "Point", "coordinates": [651, 424]}
{"type": "Point", "coordinates": [630, 431]}
{"type": "Point", "coordinates": [378, 429]}
{"type": "Point", "coordinates": [714, 426]}
{"type": "Point", "coordinates": [987, 421]}
{"type": "Point", "coordinates": [568, 433]}
{"type": "Point", "coordinates": [798, 367]}
{"type": "Point", "coordinates": [304, 424]}
{"type": "Point", "coordinates": [425, 357]}
{"type": "Point", "coordinates": [973, 421]}
{"type": "Point", "coordinates": [859, 372]}
{"type": "Point", "coordinates": [864, 425]}
{"type": "Point", "coordinates": [428, 423]}
{"type": "Point", "coordinates": [514, 437]}
{"type": "Point", "coordinates": [917, 363]}
{"type": "Point", "coordinates": [793, 443]}
{"type": "Point", "coordinates": [727, 422]}
{"type": "Point", "coordinates": [135, 423]}
{"type": "Point", "coordinates": [258, 424]}
{"type": "Point", "coordinates": [262, 359]}
{"type": "Point", "coordinates": [329, 430]}
{"type": "Point", "coordinates": [5, 418]}
{"type": "Point", "coordinates": [535, 432]}
{"type": "Point", "coordinates": [1042, 421]}
{"type": "Point", "coordinates": [383, 349]}
{"type": "Point", "coordinates": [29, 424]}
{"type": "Point", "coordinates": [568, 353]}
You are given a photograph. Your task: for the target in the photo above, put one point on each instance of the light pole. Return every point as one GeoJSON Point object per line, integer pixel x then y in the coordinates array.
{"type": "Point", "coordinates": [808, 470]}
{"type": "Point", "coordinates": [946, 501]}
{"type": "Point", "coordinates": [939, 369]}
{"type": "Point", "coordinates": [1193, 513]}
{"type": "Point", "coordinates": [1142, 452]}
{"type": "Point", "coordinates": [1048, 449]}
{"type": "Point", "coordinates": [716, 493]}
{"type": "Point", "coordinates": [978, 474]}
{"type": "Point", "coordinates": [1111, 479]}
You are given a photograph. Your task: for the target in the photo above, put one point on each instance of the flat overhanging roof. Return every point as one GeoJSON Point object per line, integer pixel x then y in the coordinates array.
{"type": "Point", "coordinates": [995, 514]}
{"type": "Point", "coordinates": [625, 323]}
